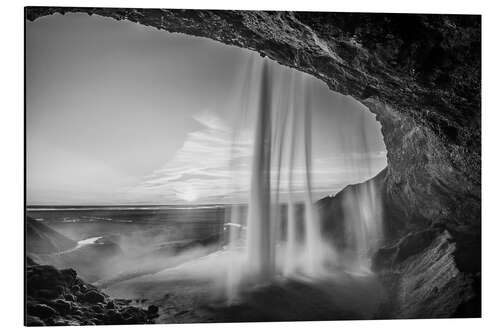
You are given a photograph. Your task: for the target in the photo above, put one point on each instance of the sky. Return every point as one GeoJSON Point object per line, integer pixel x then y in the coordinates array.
{"type": "Point", "coordinates": [119, 113]}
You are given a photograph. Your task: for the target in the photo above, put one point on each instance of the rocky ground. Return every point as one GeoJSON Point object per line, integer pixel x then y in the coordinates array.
{"type": "Point", "coordinates": [184, 297]}
{"type": "Point", "coordinates": [59, 297]}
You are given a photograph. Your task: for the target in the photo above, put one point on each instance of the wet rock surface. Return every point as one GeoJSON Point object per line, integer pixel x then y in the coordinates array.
{"type": "Point", "coordinates": [426, 278]}
{"type": "Point", "coordinates": [431, 272]}
{"type": "Point", "coordinates": [59, 297]}
{"type": "Point", "coordinates": [335, 219]}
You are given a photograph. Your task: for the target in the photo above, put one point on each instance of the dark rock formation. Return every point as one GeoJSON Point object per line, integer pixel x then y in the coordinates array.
{"type": "Point", "coordinates": [431, 272]}
{"type": "Point", "coordinates": [421, 76]}
{"type": "Point", "coordinates": [153, 311]}
{"type": "Point", "coordinates": [59, 297]}
{"type": "Point", "coordinates": [43, 239]}
{"type": "Point", "coordinates": [92, 296]}
{"type": "Point", "coordinates": [426, 278]}
{"type": "Point", "coordinates": [334, 217]}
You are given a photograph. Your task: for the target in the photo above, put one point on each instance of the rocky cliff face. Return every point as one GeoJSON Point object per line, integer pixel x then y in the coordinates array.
{"type": "Point", "coordinates": [431, 274]}
{"type": "Point", "coordinates": [420, 75]}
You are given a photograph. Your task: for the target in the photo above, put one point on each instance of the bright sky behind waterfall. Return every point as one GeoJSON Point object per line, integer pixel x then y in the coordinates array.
{"type": "Point", "coordinates": [119, 113]}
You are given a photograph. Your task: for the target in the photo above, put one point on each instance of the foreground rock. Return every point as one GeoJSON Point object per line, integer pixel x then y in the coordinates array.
{"type": "Point", "coordinates": [428, 278]}
{"type": "Point", "coordinates": [59, 297]}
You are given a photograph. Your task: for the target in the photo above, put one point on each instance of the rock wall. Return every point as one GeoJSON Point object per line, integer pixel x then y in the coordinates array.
{"type": "Point", "coordinates": [426, 277]}
{"type": "Point", "coordinates": [335, 211]}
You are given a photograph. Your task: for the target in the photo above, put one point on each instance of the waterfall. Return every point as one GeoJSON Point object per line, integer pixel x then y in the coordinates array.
{"type": "Point", "coordinates": [260, 251]}
{"type": "Point", "coordinates": [313, 242]}
{"type": "Point", "coordinates": [277, 127]}
{"type": "Point", "coordinates": [362, 210]}
{"type": "Point", "coordinates": [280, 236]}
{"type": "Point", "coordinates": [291, 227]}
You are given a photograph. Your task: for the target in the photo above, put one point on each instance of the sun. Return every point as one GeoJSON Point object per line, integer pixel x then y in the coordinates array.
{"type": "Point", "coordinates": [188, 193]}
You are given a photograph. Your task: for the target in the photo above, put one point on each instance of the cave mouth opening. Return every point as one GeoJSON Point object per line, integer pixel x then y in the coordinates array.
{"type": "Point", "coordinates": [132, 87]}
{"type": "Point", "coordinates": [179, 116]}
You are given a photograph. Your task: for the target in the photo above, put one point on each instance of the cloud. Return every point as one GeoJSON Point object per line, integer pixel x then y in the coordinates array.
{"type": "Point", "coordinates": [214, 164]}
{"type": "Point", "coordinates": [210, 164]}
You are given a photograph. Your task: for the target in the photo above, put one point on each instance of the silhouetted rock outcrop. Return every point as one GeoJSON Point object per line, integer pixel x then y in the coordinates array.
{"type": "Point", "coordinates": [41, 239]}
{"type": "Point", "coordinates": [60, 297]}
{"type": "Point", "coordinates": [91, 260]}
{"type": "Point", "coordinates": [334, 218]}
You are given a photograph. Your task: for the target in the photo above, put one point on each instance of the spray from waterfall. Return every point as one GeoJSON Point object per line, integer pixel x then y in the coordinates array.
{"type": "Point", "coordinates": [279, 234]}
{"type": "Point", "coordinates": [363, 215]}
{"type": "Point", "coordinates": [280, 241]}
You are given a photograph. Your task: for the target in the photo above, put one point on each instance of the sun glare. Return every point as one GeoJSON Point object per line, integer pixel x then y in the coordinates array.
{"type": "Point", "coordinates": [188, 193]}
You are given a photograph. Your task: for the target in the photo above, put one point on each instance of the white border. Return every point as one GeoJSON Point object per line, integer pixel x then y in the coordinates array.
{"type": "Point", "coordinates": [11, 152]}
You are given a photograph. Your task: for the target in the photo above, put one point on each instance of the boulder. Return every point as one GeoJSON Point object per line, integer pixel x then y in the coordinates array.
{"type": "Point", "coordinates": [54, 298]}
{"type": "Point", "coordinates": [92, 296]}
{"type": "Point", "coordinates": [41, 311]}
{"type": "Point", "coordinates": [34, 321]}
{"type": "Point", "coordinates": [62, 306]}
{"type": "Point", "coordinates": [113, 317]}
{"type": "Point", "coordinates": [97, 308]}
{"type": "Point", "coordinates": [133, 315]}
{"type": "Point", "coordinates": [152, 311]}
{"type": "Point", "coordinates": [49, 293]}
{"type": "Point", "coordinates": [110, 305]}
